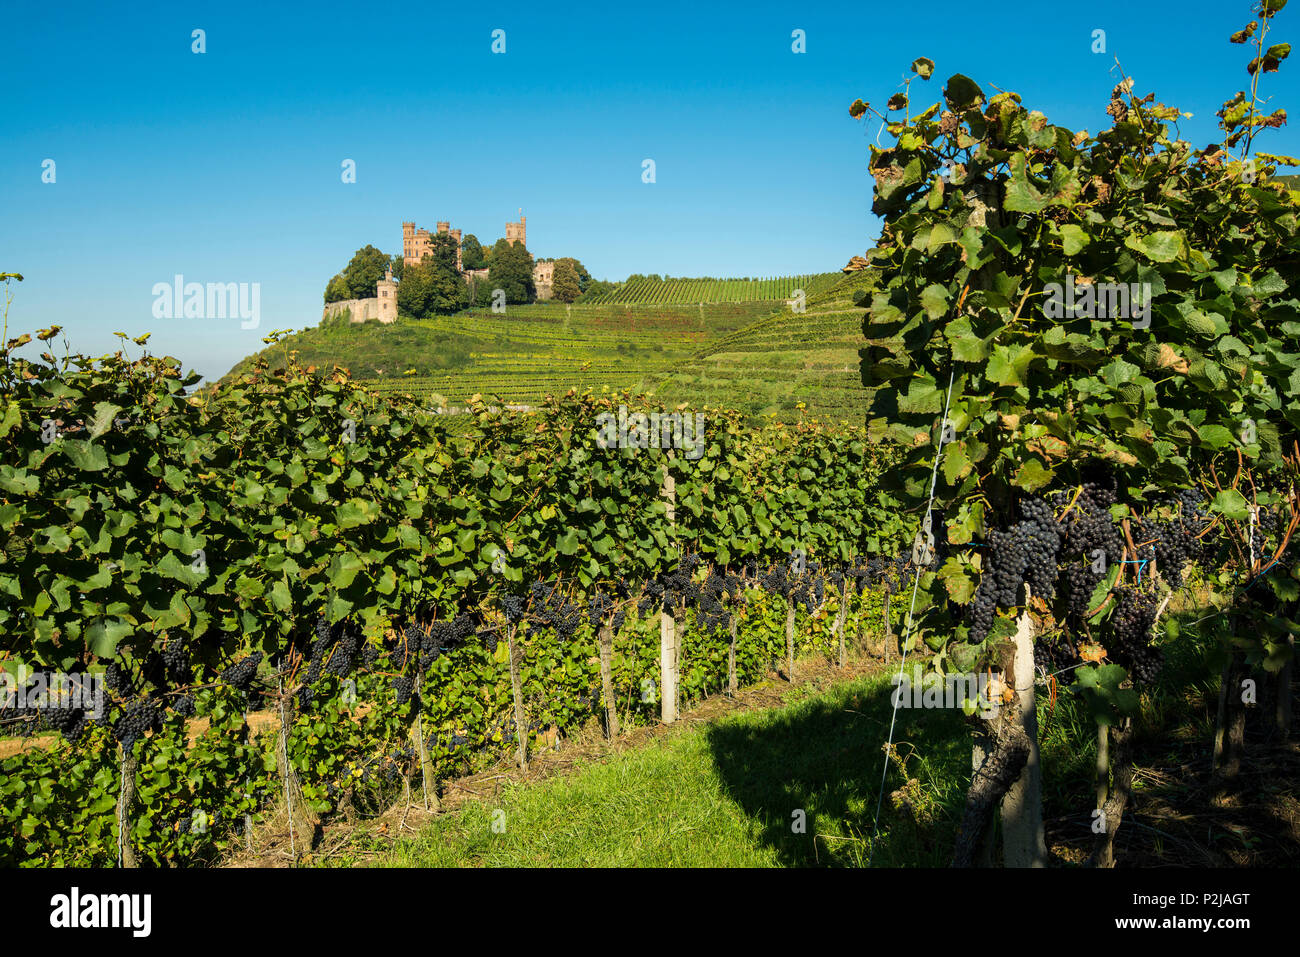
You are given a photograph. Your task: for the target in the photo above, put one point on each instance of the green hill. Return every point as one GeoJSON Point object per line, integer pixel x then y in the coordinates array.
{"type": "Point", "coordinates": [785, 358]}
{"type": "Point", "coordinates": [756, 355]}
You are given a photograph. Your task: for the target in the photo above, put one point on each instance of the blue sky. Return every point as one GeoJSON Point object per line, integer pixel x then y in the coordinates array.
{"type": "Point", "coordinates": [225, 166]}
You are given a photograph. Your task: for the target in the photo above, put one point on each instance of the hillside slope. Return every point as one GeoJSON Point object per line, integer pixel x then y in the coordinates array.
{"type": "Point", "coordinates": [785, 358]}
{"type": "Point", "coordinates": [757, 356]}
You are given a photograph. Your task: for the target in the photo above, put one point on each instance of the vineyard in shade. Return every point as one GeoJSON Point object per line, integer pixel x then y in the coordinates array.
{"type": "Point", "coordinates": [652, 291]}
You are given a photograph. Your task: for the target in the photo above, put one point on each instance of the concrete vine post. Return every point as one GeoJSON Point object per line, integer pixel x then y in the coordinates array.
{"type": "Point", "coordinates": [1023, 843]}
{"type": "Point", "coordinates": [667, 626]}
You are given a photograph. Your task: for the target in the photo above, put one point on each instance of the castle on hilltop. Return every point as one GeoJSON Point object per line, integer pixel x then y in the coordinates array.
{"type": "Point", "coordinates": [418, 243]}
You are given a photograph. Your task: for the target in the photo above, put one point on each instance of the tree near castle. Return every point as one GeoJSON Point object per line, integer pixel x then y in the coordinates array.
{"type": "Point", "coordinates": [433, 287]}
{"type": "Point", "coordinates": [564, 281]}
{"type": "Point", "coordinates": [448, 291]}
{"type": "Point", "coordinates": [444, 252]}
{"type": "Point", "coordinates": [363, 273]}
{"type": "Point", "coordinates": [471, 253]}
{"type": "Point", "coordinates": [579, 270]}
{"type": "Point", "coordinates": [512, 271]}
{"type": "Point", "coordinates": [415, 292]}
{"type": "Point", "coordinates": [336, 290]}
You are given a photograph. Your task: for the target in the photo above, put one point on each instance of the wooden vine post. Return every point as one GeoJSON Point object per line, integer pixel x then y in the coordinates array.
{"type": "Point", "coordinates": [1115, 775]}
{"type": "Point", "coordinates": [302, 820]}
{"type": "Point", "coordinates": [1112, 808]}
{"type": "Point", "coordinates": [430, 786]}
{"type": "Point", "coordinates": [667, 626]}
{"type": "Point", "coordinates": [842, 618]}
{"type": "Point", "coordinates": [1103, 764]}
{"type": "Point", "coordinates": [516, 689]}
{"type": "Point", "coordinates": [1282, 713]}
{"type": "Point", "coordinates": [125, 802]}
{"type": "Point", "coordinates": [789, 638]}
{"type": "Point", "coordinates": [606, 637]}
{"type": "Point", "coordinates": [1230, 722]}
{"type": "Point", "coordinates": [889, 628]}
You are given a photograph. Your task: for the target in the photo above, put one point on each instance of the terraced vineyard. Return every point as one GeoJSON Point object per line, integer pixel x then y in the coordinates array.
{"type": "Point", "coordinates": [662, 291]}
{"type": "Point", "coordinates": [783, 359]}
{"type": "Point", "coordinates": [759, 356]}
{"type": "Point", "coordinates": [531, 351]}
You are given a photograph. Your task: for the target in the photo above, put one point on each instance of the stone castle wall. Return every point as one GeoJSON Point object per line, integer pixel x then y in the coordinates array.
{"type": "Point", "coordinates": [382, 307]}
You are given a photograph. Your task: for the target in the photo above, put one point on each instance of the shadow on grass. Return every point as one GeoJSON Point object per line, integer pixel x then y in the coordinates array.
{"type": "Point", "coordinates": [824, 757]}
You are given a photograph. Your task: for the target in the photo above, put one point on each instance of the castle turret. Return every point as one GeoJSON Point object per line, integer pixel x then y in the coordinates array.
{"type": "Point", "coordinates": [517, 232]}
{"type": "Point", "coordinates": [408, 243]}
{"type": "Point", "coordinates": [386, 292]}
{"type": "Point", "coordinates": [455, 234]}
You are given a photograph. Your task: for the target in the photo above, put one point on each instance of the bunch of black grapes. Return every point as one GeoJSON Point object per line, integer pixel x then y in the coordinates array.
{"type": "Point", "coordinates": [809, 590]}
{"type": "Point", "coordinates": [1131, 627]}
{"type": "Point", "coordinates": [1173, 543]}
{"type": "Point", "coordinates": [718, 595]}
{"type": "Point", "coordinates": [48, 713]}
{"type": "Point", "coordinates": [777, 579]}
{"type": "Point", "coordinates": [514, 607]}
{"type": "Point", "coordinates": [1093, 542]}
{"type": "Point", "coordinates": [671, 588]}
{"type": "Point", "coordinates": [240, 675]}
{"type": "Point", "coordinates": [1025, 552]}
{"type": "Point", "coordinates": [552, 608]}
{"type": "Point", "coordinates": [335, 649]}
{"type": "Point", "coordinates": [608, 604]}
{"type": "Point", "coordinates": [138, 717]}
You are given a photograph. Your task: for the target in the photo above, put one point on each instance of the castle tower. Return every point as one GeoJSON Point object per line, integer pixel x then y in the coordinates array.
{"type": "Point", "coordinates": [456, 234]}
{"type": "Point", "coordinates": [443, 227]}
{"type": "Point", "coordinates": [387, 294]}
{"type": "Point", "coordinates": [516, 232]}
{"type": "Point", "coordinates": [408, 244]}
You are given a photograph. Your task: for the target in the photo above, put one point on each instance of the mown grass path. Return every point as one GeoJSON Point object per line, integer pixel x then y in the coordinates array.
{"type": "Point", "coordinates": [792, 785]}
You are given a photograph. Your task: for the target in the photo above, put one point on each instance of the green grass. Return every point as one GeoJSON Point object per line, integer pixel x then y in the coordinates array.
{"type": "Point", "coordinates": [725, 795]}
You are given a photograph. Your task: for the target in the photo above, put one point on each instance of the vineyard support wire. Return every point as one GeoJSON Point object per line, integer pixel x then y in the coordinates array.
{"type": "Point", "coordinates": [907, 629]}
